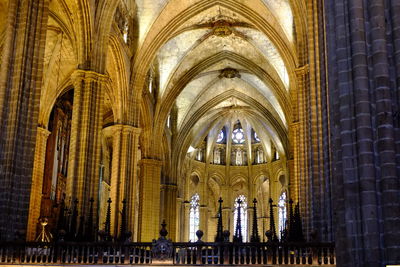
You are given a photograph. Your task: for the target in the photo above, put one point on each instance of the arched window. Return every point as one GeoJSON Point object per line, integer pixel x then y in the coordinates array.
{"type": "Point", "coordinates": [282, 212]}
{"type": "Point", "coordinates": [256, 138]}
{"type": "Point", "coordinates": [243, 216]}
{"type": "Point", "coordinates": [220, 137]}
{"type": "Point", "coordinates": [194, 217]}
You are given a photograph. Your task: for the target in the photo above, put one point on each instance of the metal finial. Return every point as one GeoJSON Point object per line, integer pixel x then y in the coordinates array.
{"type": "Point", "coordinates": [107, 224]}
{"type": "Point", "coordinates": [255, 237]}
{"type": "Point", "coordinates": [163, 231]}
{"type": "Point", "coordinates": [238, 231]}
{"type": "Point", "coordinates": [273, 237]}
{"type": "Point", "coordinates": [219, 237]}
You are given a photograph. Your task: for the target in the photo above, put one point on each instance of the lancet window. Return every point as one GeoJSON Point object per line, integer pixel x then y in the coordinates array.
{"type": "Point", "coordinates": [194, 217]}
{"type": "Point", "coordinates": [282, 212]}
{"type": "Point", "coordinates": [220, 137]}
{"type": "Point", "coordinates": [243, 215]}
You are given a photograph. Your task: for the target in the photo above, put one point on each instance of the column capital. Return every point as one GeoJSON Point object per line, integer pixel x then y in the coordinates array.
{"type": "Point", "coordinates": [117, 128]}
{"type": "Point", "coordinates": [303, 70]}
{"type": "Point", "coordinates": [128, 129]}
{"type": "Point", "coordinates": [153, 162]}
{"type": "Point", "coordinates": [89, 75]}
{"type": "Point", "coordinates": [43, 132]}
{"type": "Point", "coordinates": [295, 125]}
{"type": "Point", "coordinates": [169, 186]}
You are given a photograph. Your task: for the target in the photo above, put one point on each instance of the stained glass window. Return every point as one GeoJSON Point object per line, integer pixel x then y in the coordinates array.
{"type": "Point", "coordinates": [256, 137]}
{"type": "Point", "coordinates": [243, 216]}
{"type": "Point", "coordinates": [220, 136]}
{"type": "Point", "coordinates": [194, 217]}
{"type": "Point", "coordinates": [282, 212]}
{"type": "Point", "coordinates": [238, 136]}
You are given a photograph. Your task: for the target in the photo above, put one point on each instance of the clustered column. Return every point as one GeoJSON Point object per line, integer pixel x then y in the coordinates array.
{"type": "Point", "coordinates": [364, 63]}
{"type": "Point", "coordinates": [84, 158]}
{"type": "Point", "coordinates": [149, 211]}
{"type": "Point", "coordinates": [125, 140]}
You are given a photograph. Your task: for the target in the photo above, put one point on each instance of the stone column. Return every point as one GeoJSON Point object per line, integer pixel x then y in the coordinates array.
{"type": "Point", "coordinates": [203, 219]}
{"type": "Point", "coordinates": [84, 157]}
{"type": "Point", "coordinates": [37, 182]}
{"type": "Point", "coordinates": [123, 173]}
{"type": "Point", "coordinates": [180, 213]}
{"type": "Point", "coordinates": [301, 147]}
{"type": "Point", "coordinates": [129, 171]}
{"type": "Point", "coordinates": [185, 220]}
{"type": "Point", "coordinates": [169, 204]}
{"type": "Point", "coordinates": [149, 202]}
{"type": "Point", "coordinates": [363, 53]}
{"type": "Point", "coordinates": [20, 84]}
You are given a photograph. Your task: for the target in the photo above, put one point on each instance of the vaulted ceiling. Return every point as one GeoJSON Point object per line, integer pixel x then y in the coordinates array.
{"type": "Point", "coordinates": [221, 64]}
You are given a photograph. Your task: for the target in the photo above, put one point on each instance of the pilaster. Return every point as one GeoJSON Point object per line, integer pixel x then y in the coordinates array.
{"type": "Point", "coordinates": [149, 202]}
{"type": "Point", "coordinates": [37, 182]}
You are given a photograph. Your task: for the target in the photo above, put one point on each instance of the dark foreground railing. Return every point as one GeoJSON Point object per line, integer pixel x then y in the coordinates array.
{"type": "Point", "coordinates": [181, 254]}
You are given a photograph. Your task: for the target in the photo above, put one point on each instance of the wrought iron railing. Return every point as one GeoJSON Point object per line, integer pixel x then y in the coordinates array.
{"type": "Point", "coordinates": [101, 253]}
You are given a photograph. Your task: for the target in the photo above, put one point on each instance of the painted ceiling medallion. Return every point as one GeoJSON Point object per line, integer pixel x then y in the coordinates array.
{"type": "Point", "coordinates": [229, 73]}
{"type": "Point", "coordinates": [222, 28]}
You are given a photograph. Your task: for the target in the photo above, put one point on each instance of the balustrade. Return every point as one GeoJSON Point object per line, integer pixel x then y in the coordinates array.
{"type": "Point", "coordinates": [202, 253]}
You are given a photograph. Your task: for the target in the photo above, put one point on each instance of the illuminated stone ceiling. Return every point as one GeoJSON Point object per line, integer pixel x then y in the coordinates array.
{"type": "Point", "coordinates": [219, 66]}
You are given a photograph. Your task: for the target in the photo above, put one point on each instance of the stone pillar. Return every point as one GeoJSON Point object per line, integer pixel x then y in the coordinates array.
{"type": "Point", "coordinates": [37, 182]}
{"type": "Point", "coordinates": [363, 53]}
{"type": "Point", "coordinates": [149, 202]}
{"type": "Point", "coordinates": [185, 221]}
{"type": "Point", "coordinates": [180, 213]}
{"type": "Point", "coordinates": [204, 219]}
{"type": "Point", "coordinates": [124, 182]}
{"type": "Point", "coordinates": [20, 84]}
{"type": "Point", "coordinates": [85, 144]}
{"type": "Point", "coordinates": [169, 205]}
{"type": "Point", "coordinates": [301, 146]}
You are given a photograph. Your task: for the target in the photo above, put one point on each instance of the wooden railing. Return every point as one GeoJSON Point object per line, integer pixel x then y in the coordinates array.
{"type": "Point", "coordinates": [182, 253]}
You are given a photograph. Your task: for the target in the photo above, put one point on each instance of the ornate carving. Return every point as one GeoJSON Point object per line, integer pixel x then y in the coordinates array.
{"type": "Point", "coordinates": [222, 28]}
{"type": "Point", "coordinates": [229, 73]}
{"type": "Point", "coordinates": [162, 247]}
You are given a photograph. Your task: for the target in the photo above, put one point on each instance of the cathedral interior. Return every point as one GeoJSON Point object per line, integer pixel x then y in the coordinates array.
{"type": "Point", "coordinates": [157, 109]}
